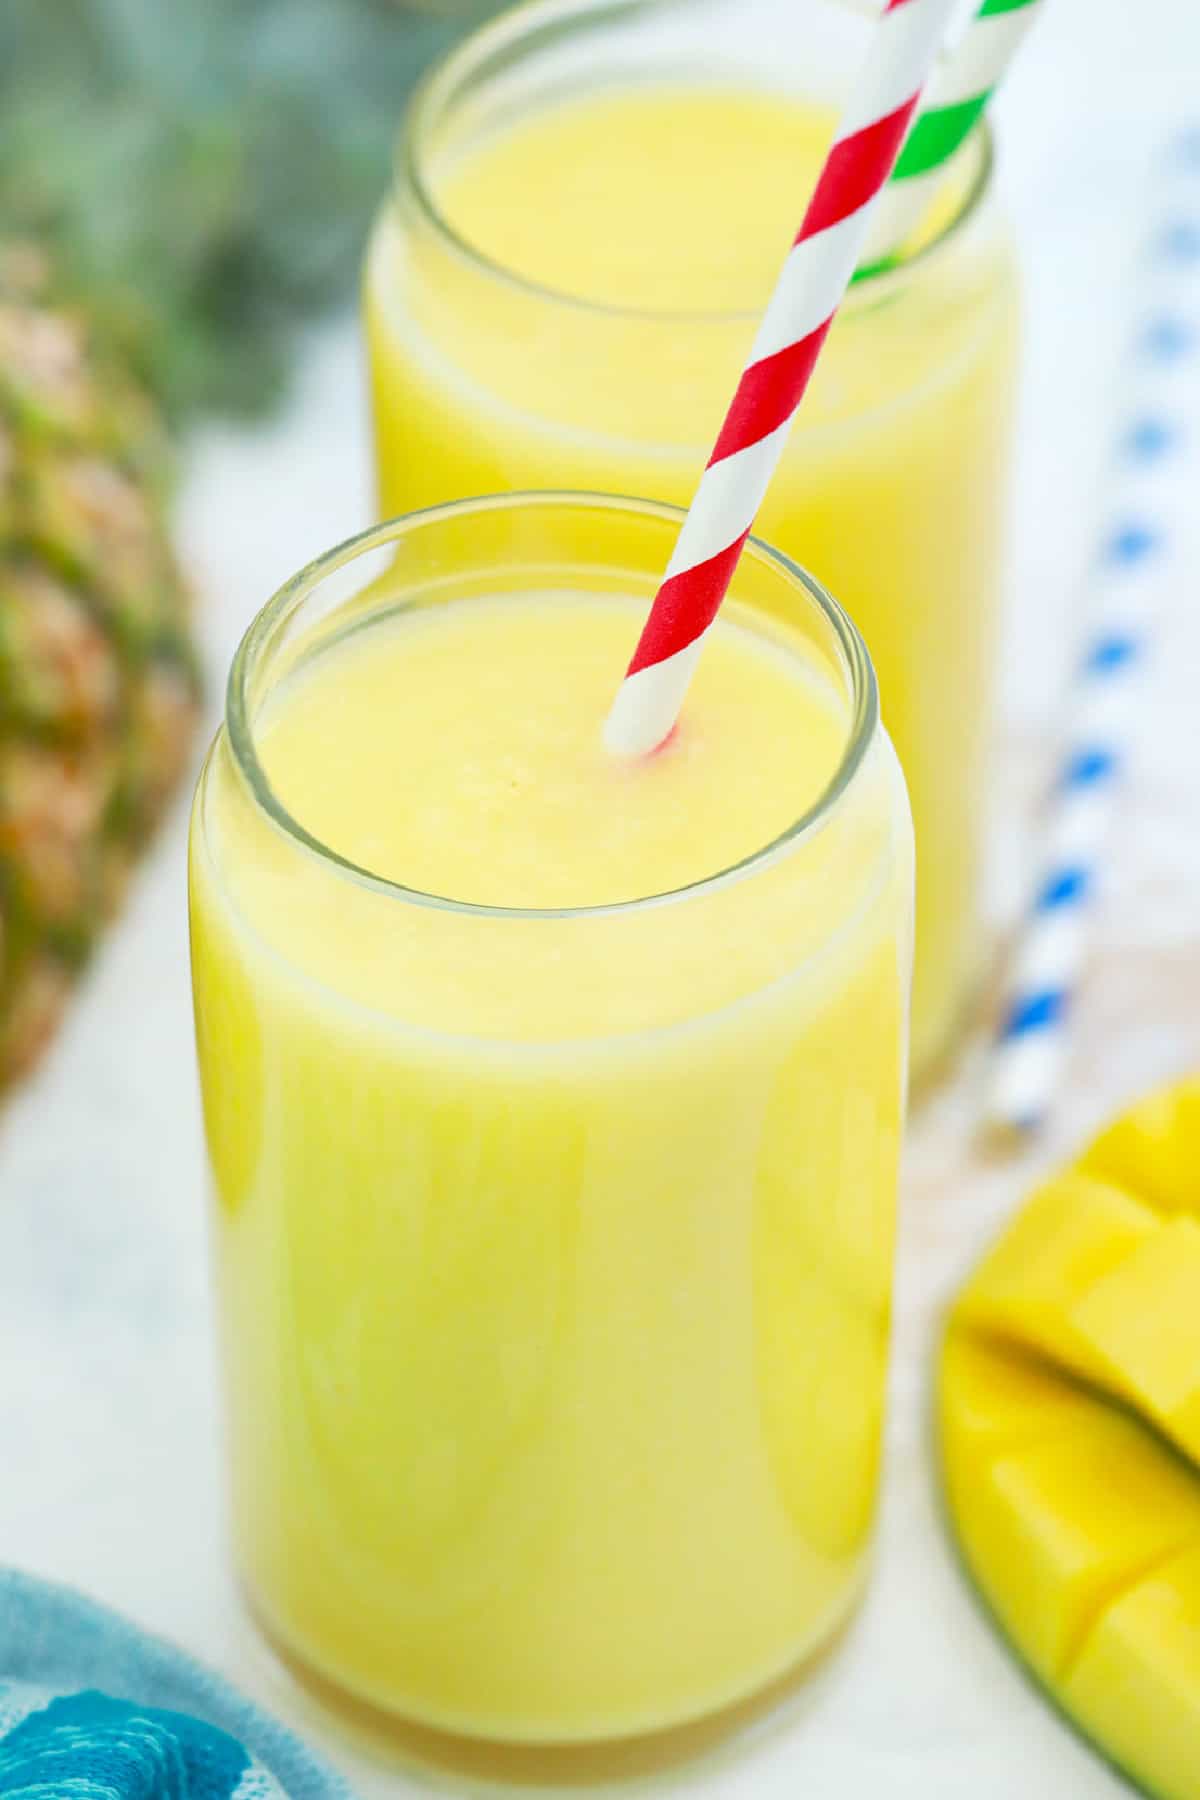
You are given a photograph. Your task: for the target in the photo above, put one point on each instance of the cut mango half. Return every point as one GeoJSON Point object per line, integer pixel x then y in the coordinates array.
{"type": "Point", "coordinates": [1069, 1422]}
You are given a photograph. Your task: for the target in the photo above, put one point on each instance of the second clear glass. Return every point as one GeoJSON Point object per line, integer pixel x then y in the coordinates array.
{"type": "Point", "coordinates": [487, 378]}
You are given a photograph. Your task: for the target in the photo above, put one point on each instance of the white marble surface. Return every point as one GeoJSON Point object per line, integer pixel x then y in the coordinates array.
{"type": "Point", "coordinates": [109, 1457]}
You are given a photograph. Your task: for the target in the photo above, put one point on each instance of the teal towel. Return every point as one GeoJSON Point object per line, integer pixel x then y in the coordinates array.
{"type": "Point", "coordinates": [94, 1709]}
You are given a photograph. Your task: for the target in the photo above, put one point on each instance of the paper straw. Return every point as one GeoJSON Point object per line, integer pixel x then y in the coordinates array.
{"type": "Point", "coordinates": [1155, 464]}
{"type": "Point", "coordinates": [953, 103]}
{"type": "Point", "coordinates": [751, 441]}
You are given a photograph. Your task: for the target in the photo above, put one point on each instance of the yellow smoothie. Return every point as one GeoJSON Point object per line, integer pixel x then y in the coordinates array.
{"type": "Point", "coordinates": [563, 295]}
{"type": "Point", "coordinates": [553, 1244]}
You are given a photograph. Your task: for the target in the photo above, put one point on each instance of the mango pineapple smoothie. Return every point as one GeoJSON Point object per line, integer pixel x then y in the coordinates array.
{"type": "Point", "coordinates": [553, 1220]}
{"type": "Point", "coordinates": [562, 294]}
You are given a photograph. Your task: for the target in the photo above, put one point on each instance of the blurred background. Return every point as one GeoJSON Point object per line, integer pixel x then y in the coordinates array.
{"type": "Point", "coordinates": [185, 188]}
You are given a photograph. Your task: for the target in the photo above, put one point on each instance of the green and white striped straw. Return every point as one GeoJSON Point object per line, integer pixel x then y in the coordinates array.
{"type": "Point", "coordinates": [955, 100]}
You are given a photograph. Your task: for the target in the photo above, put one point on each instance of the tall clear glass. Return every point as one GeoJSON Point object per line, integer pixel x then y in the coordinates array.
{"type": "Point", "coordinates": [553, 1248]}
{"type": "Point", "coordinates": [892, 489]}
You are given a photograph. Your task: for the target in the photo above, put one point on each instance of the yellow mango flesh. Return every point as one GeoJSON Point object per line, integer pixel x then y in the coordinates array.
{"type": "Point", "coordinates": [1066, 1239]}
{"type": "Point", "coordinates": [1135, 1686]}
{"type": "Point", "coordinates": [1154, 1150]}
{"type": "Point", "coordinates": [1069, 1423]}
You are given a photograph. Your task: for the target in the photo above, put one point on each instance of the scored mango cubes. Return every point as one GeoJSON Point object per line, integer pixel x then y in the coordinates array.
{"type": "Point", "coordinates": [1069, 1420]}
{"type": "Point", "coordinates": [1135, 1686]}
{"type": "Point", "coordinates": [1068, 1237]}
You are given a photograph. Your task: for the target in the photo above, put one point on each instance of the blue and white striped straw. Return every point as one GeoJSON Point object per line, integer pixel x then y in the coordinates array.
{"type": "Point", "coordinates": [1152, 494]}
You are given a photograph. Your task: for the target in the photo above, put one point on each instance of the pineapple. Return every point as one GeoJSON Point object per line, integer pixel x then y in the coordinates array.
{"type": "Point", "coordinates": [98, 689]}
{"type": "Point", "coordinates": [180, 187]}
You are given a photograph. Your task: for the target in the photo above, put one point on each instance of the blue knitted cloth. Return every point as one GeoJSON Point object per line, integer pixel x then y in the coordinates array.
{"type": "Point", "coordinates": [91, 1708]}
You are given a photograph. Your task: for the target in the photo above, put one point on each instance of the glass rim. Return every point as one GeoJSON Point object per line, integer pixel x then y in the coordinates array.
{"type": "Point", "coordinates": [239, 725]}
{"type": "Point", "coordinates": [437, 86]}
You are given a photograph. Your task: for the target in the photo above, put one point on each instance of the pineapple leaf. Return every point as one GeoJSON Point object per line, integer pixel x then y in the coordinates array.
{"type": "Point", "coordinates": [204, 171]}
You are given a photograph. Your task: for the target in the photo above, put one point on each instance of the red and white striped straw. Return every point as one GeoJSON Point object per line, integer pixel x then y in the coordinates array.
{"type": "Point", "coordinates": [814, 279]}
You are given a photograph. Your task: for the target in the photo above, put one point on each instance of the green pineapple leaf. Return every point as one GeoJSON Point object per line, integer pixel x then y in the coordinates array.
{"type": "Point", "coordinates": [204, 171]}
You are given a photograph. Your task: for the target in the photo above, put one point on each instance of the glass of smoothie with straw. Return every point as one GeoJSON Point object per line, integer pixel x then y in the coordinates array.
{"type": "Point", "coordinates": [553, 1054]}
{"type": "Point", "coordinates": [590, 204]}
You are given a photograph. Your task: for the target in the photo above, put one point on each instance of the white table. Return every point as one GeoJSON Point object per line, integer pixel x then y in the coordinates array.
{"type": "Point", "coordinates": [109, 1458]}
